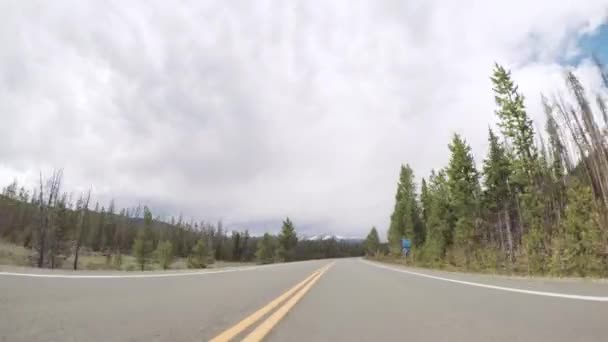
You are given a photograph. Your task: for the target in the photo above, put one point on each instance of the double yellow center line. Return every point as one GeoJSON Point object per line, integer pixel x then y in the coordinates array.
{"type": "Point", "coordinates": [288, 299]}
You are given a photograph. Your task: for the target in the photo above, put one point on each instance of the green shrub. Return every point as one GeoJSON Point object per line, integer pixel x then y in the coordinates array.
{"type": "Point", "coordinates": [164, 254]}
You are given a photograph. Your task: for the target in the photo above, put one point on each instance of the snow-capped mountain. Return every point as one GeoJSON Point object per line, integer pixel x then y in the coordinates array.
{"type": "Point", "coordinates": [328, 237]}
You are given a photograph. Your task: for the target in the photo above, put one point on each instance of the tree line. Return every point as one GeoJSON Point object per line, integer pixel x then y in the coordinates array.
{"type": "Point", "coordinates": [538, 203]}
{"type": "Point", "coordinates": [55, 226]}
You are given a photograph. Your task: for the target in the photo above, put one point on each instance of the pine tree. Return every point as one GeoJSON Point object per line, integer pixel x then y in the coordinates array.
{"type": "Point", "coordinates": [287, 241]}
{"type": "Point", "coordinates": [200, 256]}
{"type": "Point", "coordinates": [463, 184]}
{"type": "Point", "coordinates": [82, 225]}
{"type": "Point", "coordinates": [97, 234]}
{"type": "Point", "coordinates": [148, 231]}
{"type": "Point", "coordinates": [424, 200]}
{"type": "Point", "coordinates": [218, 241]}
{"type": "Point", "coordinates": [59, 248]}
{"type": "Point", "coordinates": [108, 241]}
{"type": "Point", "coordinates": [372, 242]}
{"type": "Point", "coordinates": [439, 218]}
{"type": "Point", "coordinates": [496, 195]}
{"type": "Point", "coordinates": [582, 242]}
{"type": "Point", "coordinates": [266, 250]}
{"type": "Point", "coordinates": [164, 253]}
{"type": "Point", "coordinates": [142, 249]}
{"type": "Point", "coordinates": [237, 248]}
{"type": "Point", "coordinates": [518, 130]}
{"type": "Point", "coordinates": [515, 124]}
{"type": "Point", "coordinates": [405, 220]}
{"type": "Point", "coordinates": [248, 247]}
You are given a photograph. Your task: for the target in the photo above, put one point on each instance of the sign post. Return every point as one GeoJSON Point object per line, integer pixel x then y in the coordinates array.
{"type": "Point", "coordinates": [406, 245]}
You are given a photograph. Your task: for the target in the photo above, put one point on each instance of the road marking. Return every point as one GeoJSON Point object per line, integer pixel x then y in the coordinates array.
{"type": "Point", "coordinates": [154, 275]}
{"type": "Point", "coordinates": [264, 328]}
{"type": "Point", "coordinates": [487, 286]}
{"type": "Point", "coordinates": [236, 329]}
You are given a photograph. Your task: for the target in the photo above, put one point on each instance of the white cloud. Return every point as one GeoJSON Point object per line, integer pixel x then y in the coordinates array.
{"type": "Point", "coordinates": [253, 111]}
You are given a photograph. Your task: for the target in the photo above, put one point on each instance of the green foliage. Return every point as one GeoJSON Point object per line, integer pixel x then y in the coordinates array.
{"type": "Point", "coordinates": [579, 251]}
{"type": "Point", "coordinates": [136, 231]}
{"type": "Point", "coordinates": [372, 242]}
{"type": "Point", "coordinates": [117, 261]}
{"type": "Point", "coordinates": [534, 239]}
{"type": "Point", "coordinates": [59, 239]}
{"type": "Point", "coordinates": [288, 241]}
{"type": "Point", "coordinates": [496, 171]}
{"type": "Point", "coordinates": [201, 256]}
{"type": "Point", "coordinates": [164, 254]}
{"type": "Point", "coordinates": [405, 220]}
{"type": "Point", "coordinates": [329, 248]}
{"type": "Point", "coordinates": [515, 124]}
{"type": "Point", "coordinates": [266, 250]}
{"type": "Point", "coordinates": [463, 187]}
{"type": "Point", "coordinates": [439, 217]}
{"type": "Point", "coordinates": [142, 249]}
{"type": "Point", "coordinates": [521, 218]}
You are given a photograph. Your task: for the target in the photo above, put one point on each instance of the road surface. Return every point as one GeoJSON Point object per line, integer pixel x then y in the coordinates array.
{"type": "Point", "coordinates": [329, 300]}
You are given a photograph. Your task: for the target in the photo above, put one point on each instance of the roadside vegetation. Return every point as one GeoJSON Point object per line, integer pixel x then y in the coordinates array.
{"type": "Point", "coordinates": [538, 204]}
{"type": "Point", "coordinates": [46, 228]}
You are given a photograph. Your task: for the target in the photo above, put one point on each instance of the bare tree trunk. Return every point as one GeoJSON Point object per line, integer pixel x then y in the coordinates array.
{"type": "Point", "coordinates": [509, 234]}
{"type": "Point", "coordinates": [53, 184]}
{"type": "Point", "coordinates": [41, 230]}
{"type": "Point", "coordinates": [76, 250]}
{"type": "Point", "coordinates": [501, 237]}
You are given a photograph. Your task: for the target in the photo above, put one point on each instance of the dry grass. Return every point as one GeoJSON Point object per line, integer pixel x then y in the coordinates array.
{"type": "Point", "coordinates": [11, 254]}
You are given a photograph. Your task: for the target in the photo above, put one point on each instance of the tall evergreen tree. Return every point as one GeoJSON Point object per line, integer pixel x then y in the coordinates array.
{"type": "Point", "coordinates": [200, 256]}
{"type": "Point", "coordinates": [287, 241]}
{"type": "Point", "coordinates": [98, 232]}
{"type": "Point", "coordinates": [237, 248]}
{"type": "Point", "coordinates": [496, 195]}
{"type": "Point", "coordinates": [515, 124]}
{"type": "Point", "coordinates": [439, 217]}
{"type": "Point", "coordinates": [148, 230]}
{"type": "Point", "coordinates": [142, 249]}
{"type": "Point", "coordinates": [582, 243]}
{"type": "Point", "coordinates": [405, 220]}
{"type": "Point", "coordinates": [517, 127]}
{"type": "Point", "coordinates": [164, 253]}
{"type": "Point", "coordinates": [463, 184]}
{"type": "Point", "coordinates": [372, 242]}
{"type": "Point", "coordinates": [59, 248]}
{"type": "Point", "coordinates": [266, 250]}
{"type": "Point", "coordinates": [424, 200]}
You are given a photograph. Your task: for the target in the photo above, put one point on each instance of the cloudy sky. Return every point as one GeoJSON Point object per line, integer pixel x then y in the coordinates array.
{"type": "Point", "coordinates": [248, 111]}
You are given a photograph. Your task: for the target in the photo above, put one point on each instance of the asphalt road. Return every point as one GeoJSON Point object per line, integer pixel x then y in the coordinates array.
{"type": "Point", "coordinates": [351, 300]}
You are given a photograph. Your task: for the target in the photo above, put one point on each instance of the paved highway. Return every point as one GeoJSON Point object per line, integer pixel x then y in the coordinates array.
{"type": "Point", "coordinates": [341, 300]}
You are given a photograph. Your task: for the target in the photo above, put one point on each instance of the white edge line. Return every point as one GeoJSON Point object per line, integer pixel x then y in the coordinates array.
{"type": "Point", "coordinates": [156, 275]}
{"type": "Point", "coordinates": [494, 287]}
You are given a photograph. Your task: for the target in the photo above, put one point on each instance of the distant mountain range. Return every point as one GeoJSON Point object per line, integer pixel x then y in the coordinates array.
{"type": "Point", "coordinates": [319, 237]}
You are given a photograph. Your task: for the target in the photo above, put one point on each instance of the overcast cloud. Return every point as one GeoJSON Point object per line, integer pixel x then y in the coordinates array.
{"type": "Point", "coordinates": [249, 111]}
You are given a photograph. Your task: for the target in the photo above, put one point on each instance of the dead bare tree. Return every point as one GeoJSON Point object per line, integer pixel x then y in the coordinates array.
{"type": "Point", "coordinates": [589, 138]}
{"type": "Point", "coordinates": [53, 185]}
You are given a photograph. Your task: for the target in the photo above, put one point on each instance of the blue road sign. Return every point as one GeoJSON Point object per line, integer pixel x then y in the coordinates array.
{"type": "Point", "coordinates": [406, 244]}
